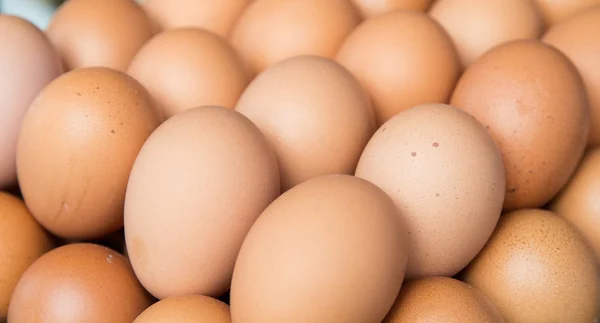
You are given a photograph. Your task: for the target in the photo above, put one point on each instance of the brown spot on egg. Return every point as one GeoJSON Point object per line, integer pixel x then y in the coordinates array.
{"type": "Point", "coordinates": [414, 154]}
{"type": "Point", "coordinates": [435, 144]}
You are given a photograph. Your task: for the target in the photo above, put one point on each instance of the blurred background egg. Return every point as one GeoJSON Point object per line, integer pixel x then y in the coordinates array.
{"type": "Point", "coordinates": [22, 241]}
{"type": "Point", "coordinates": [445, 174]}
{"type": "Point", "coordinates": [186, 309]}
{"type": "Point", "coordinates": [76, 148]}
{"type": "Point", "coordinates": [78, 283]}
{"type": "Point", "coordinates": [349, 270]}
{"type": "Point", "coordinates": [476, 26]}
{"type": "Point", "coordinates": [578, 38]}
{"type": "Point", "coordinates": [369, 8]}
{"type": "Point", "coordinates": [270, 31]}
{"type": "Point", "coordinates": [315, 115]}
{"type": "Point", "coordinates": [104, 33]}
{"type": "Point", "coordinates": [538, 268]}
{"type": "Point", "coordinates": [189, 67]}
{"type": "Point", "coordinates": [532, 100]}
{"type": "Point", "coordinates": [403, 59]}
{"type": "Point", "coordinates": [218, 16]}
{"type": "Point", "coordinates": [27, 63]}
{"type": "Point", "coordinates": [198, 184]}
{"type": "Point", "coordinates": [442, 300]}
{"type": "Point", "coordinates": [555, 11]}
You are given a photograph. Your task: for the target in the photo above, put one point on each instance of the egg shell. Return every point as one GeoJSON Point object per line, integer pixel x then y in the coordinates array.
{"type": "Point", "coordinates": [403, 59]}
{"type": "Point", "coordinates": [477, 26]}
{"type": "Point", "coordinates": [106, 33]}
{"type": "Point", "coordinates": [443, 300]}
{"type": "Point", "coordinates": [218, 16]}
{"type": "Point", "coordinates": [270, 31]}
{"type": "Point", "coordinates": [78, 283]}
{"type": "Point", "coordinates": [538, 268]}
{"type": "Point", "coordinates": [331, 249]}
{"type": "Point", "coordinates": [556, 11]}
{"type": "Point", "coordinates": [578, 39]}
{"type": "Point", "coordinates": [445, 174]}
{"type": "Point", "coordinates": [22, 241]}
{"type": "Point", "coordinates": [314, 113]}
{"type": "Point", "coordinates": [197, 185]}
{"type": "Point", "coordinates": [186, 309]}
{"type": "Point", "coordinates": [76, 148]}
{"type": "Point", "coordinates": [578, 202]}
{"type": "Point", "coordinates": [189, 67]}
{"type": "Point", "coordinates": [27, 62]}
{"type": "Point", "coordinates": [532, 100]}
{"type": "Point", "coordinates": [370, 8]}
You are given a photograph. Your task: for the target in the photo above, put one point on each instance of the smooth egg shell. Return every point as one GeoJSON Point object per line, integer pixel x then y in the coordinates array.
{"type": "Point", "coordinates": [186, 309]}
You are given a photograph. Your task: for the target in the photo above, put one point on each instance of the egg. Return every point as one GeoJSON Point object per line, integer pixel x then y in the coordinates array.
{"type": "Point", "coordinates": [332, 249]}
{"type": "Point", "coordinates": [532, 100]}
{"type": "Point", "coordinates": [315, 115]}
{"type": "Point", "coordinates": [270, 31]}
{"type": "Point", "coordinates": [22, 241]}
{"type": "Point", "coordinates": [189, 67]}
{"type": "Point", "coordinates": [76, 147]}
{"type": "Point", "coordinates": [186, 309]}
{"type": "Point", "coordinates": [578, 39]}
{"type": "Point", "coordinates": [556, 11]}
{"type": "Point", "coordinates": [218, 16]}
{"type": "Point", "coordinates": [477, 26]}
{"type": "Point", "coordinates": [443, 300]}
{"type": "Point", "coordinates": [538, 268]}
{"type": "Point", "coordinates": [578, 202]}
{"type": "Point", "coordinates": [370, 8]}
{"type": "Point", "coordinates": [27, 62]}
{"type": "Point", "coordinates": [106, 33]}
{"type": "Point", "coordinates": [445, 174]}
{"type": "Point", "coordinates": [78, 283]}
{"type": "Point", "coordinates": [403, 59]}
{"type": "Point", "coordinates": [198, 184]}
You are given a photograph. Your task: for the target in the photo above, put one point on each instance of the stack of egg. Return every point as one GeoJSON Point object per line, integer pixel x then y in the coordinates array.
{"type": "Point", "coordinates": [301, 161]}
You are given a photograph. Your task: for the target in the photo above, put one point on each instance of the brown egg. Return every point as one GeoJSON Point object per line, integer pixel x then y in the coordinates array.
{"type": "Point", "coordinates": [556, 11]}
{"type": "Point", "coordinates": [189, 67]}
{"type": "Point", "coordinates": [22, 241]}
{"type": "Point", "coordinates": [186, 309]}
{"type": "Point", "coordinates": [99, 32]}
{"type": "Point", "coordinates": [442, 300]}
{"type": "Point", "coordinates": [369, 8]}
{"type": "Point", "coordinates": [537, 268]}
{"type": "Point", "coordinates": [579, 203]}
{"type": "Point", "coordinates": [76, 148]}
{"type": "Point", "coordinates": [314, 113]}
{"type": "Point", "coordinates": [270, 31]}
{"type": "Point", "coordinates": [332, 249]}
{"type": "Point", "coordinates": [27, 63]}
{"type": "Point", "coordinates": [218, 16]}
{"type": "Point", "coordinates": [198, 184]}
{"type": "Point", "coordinates": [78, 283]}
{"type": "Point", "coordinates": [532, 100]}
{"type": "Point", "coordinates": [477, 26]}
{"type": "Point", "coordinates": [403, 59]}
{"type": "Point", "coordinates": [445, 174]}
{"type": "Point", "coordinates": [578, 39]}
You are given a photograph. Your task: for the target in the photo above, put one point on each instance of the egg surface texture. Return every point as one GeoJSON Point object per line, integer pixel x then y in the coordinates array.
{"type": "Point", "coordinates": [349, 270]}
{"type": "Point", "coordinates": [314, 113]}
{"type": "Point", "coordinates": [107, 33]}
{"type": "Point", "coordinates": [538, 268]}
{"type": "Point", "coordinates": [556, 11]}
{"type": "Point", "coordinates": [532, 100]}
{"type": "Point", "coordinates": [76, 148]}
{"type": "Point", "coordinates": [189, 67]}
{"type": "Point", "coordinates": [27, 63]}
{"type": "Point", "coordinates": [198, 184]}
{"type": "Point", "coordinates": [445, 174]}
{"type": "Point", "coordinates": [442, 300]}
{"type": "Point", "coordinates": [78, 283]}
{"type": "Point", "coordinates": [403, 59]}
{"type": "Point", "coordinates": [370, 8]}
{"type": "Point", "coordinates": [186, 309]}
